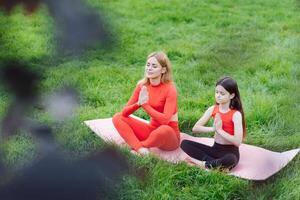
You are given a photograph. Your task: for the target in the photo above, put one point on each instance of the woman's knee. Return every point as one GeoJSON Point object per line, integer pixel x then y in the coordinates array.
{"type": "Point", "coordinates": [117, 117]}
{"type": "Point", "coordinates": [165, 128]}
{"type": "Point", "coordinates": [163, 131]}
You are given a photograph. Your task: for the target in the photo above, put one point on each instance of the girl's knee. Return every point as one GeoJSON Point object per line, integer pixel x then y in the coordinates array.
{"type": "Point", "coordinates": [230, 161]}
{"type": "Point", "coordinates": [184, 144]}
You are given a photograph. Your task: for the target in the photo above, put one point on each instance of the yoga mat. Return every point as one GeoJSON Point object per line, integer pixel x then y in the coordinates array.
{"type": "Point", "coordinates": [255, 163]}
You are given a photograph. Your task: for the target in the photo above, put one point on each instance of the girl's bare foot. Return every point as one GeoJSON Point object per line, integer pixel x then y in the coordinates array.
{"type": "Point", "coordinates": [189, 161]}
{"type": "Point", "coordinates": [194, 162]}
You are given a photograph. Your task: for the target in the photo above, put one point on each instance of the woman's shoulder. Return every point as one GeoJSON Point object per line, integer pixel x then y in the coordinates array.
{"type": "Point", "coordinates": [170, 88]}
{"type": "Point", "coordinates": [138, 86]}
{"type": "Point", "coordinates": [170, 84]}
{"type": "Point", "coordinates": [139, 83]}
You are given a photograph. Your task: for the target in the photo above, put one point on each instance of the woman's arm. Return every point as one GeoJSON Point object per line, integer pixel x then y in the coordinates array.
{"type": "Point", "coordinates": [237, 138]}
{"type": "Point", "coordinates": [132, 104]}
{"type": "Point", "coordinates": [199, 126]}
{"type": "Point", "coordinates": [169, 108]}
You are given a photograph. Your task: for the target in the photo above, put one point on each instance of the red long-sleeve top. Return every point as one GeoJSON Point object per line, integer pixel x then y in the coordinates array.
{"type": "Point", "coordinates": [161, 106]}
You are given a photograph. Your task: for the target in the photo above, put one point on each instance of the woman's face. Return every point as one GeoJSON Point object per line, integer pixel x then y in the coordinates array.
{"type": "Point", "coordinates": [222, 95]}
{"type": "Point", "coordinates": [153, 69]}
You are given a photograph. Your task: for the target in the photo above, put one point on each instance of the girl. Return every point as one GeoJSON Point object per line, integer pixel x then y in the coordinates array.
{"type": "Point", "coordinates": [229, 128]}
{"type": "Point", "coordinates": [155, 94]}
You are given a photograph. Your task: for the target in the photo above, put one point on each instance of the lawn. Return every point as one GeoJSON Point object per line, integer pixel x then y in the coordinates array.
{"type": "Point", "coordinates": [257, 42]}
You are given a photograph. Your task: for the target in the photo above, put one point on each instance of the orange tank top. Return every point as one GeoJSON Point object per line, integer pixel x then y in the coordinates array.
{"type": "Point", "coordinates": [227, 123]}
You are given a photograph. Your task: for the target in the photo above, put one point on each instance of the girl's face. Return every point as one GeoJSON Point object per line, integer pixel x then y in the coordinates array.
{"type": "Point", "coordinates": [222, 96]}
{"type": "Point", "coordinates": [153, 69]}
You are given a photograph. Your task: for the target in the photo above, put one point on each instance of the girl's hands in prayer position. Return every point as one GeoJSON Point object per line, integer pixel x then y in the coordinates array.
{"type": "Point", "coordinates": [218, 122]}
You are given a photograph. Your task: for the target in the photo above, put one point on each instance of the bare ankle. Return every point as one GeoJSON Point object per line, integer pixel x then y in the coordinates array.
{"type": "Point", "coordinates": [143, 151]}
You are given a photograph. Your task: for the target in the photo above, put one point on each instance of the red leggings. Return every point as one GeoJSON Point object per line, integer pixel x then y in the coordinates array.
{"type": "Point", "coordinates": [140, 134]}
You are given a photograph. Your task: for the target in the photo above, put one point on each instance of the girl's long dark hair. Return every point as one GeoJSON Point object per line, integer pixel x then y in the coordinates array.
{"type": "Point", "coordinates": [231, 86]}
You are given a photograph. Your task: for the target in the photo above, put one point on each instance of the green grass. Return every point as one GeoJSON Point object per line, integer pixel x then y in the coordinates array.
{"type": "Point", "coordinates": [257, 42]}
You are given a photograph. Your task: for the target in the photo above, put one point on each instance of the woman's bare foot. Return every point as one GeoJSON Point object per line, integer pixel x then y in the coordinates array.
{"type": "Point", "coordinates": [143, 151]}
{"type": "Point", "coordinates": [134, 152]}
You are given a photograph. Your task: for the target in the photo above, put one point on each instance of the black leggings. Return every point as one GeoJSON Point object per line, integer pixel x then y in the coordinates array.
{"type": "Point", "coordinates": [217, 156]}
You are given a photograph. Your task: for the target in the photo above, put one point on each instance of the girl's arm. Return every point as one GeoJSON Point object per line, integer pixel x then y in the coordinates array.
{"type": "Point", "coordinates": [132, 104]}
{"type": "Point", "coordinates": [237, 138]}
{"type": "Point", "coordinates": [199, 126]}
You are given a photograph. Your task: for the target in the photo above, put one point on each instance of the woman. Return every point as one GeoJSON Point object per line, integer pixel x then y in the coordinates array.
{"type": "Point", "coordinates": [156, 94]}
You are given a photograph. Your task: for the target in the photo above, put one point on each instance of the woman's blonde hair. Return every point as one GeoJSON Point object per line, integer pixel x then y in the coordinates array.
{"type": "Point", "coordinates": [164, 61]}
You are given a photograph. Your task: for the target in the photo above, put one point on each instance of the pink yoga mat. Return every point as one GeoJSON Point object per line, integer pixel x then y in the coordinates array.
{"type": "Point", "coordinates": [255, 163]}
